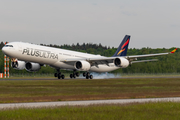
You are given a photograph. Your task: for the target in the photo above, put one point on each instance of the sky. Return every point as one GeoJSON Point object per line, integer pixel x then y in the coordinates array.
{"type": "Point", "coordinates": [151, 23]}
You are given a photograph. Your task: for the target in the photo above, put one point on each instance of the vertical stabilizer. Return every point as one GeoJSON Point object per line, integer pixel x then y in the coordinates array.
{"type": "Point", "coordinates": [123, 47]}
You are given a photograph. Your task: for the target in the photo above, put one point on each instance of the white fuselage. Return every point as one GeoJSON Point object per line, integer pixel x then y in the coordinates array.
{"type": "Point", "coordinates": [52, 56]}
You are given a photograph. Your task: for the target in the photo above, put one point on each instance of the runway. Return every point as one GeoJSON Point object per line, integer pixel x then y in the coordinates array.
{"type": "Point", "coordinates": [131, 77]}
{"type": "Point", "coordinates": [85, 103]}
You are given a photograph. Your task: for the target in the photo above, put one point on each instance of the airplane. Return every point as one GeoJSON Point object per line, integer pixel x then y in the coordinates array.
{"type": "Point", "coordinates": [31, 57]}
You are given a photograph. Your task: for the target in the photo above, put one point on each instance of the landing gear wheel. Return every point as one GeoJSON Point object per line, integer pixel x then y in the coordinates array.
{"type": "Point", "coordinates": [87, 74]}
{"type": "Point", "coordinates": [74, 75]}
{"type": "Point", "coordinates": [84, 74]}
{"type": "Point", "coordinates": [62, 76]}
{"type": "Point", "coordinates": [91, 76]}
{"type": "Point", "coordinates": [87, 77]}
{"type": "Point", "coordinates": [59, 75]}
{"type": "Point", "coordinates": [77, 74]}
{"type": "Point", "coordinates": [55, 75]}
{"type": "Point", "coordinates": [71, 76]}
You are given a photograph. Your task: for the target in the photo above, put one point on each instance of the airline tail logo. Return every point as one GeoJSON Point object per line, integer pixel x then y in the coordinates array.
{"type": "Point", "coordinates": [122, 48]}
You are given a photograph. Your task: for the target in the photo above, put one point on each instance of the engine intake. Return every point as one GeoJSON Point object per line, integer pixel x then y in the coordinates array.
{"type": "Point", "coordinates": [17, 64]}
{"type": "Point", "coordinates": [121, 62]}
{"type": "Point", "coordinates": [30, 66]}
{"type": "Point", "coordinates": [82, 65]}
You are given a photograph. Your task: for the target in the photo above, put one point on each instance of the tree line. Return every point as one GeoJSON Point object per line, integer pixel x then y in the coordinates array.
{"type": "Point", "coordinates": [165, 64]}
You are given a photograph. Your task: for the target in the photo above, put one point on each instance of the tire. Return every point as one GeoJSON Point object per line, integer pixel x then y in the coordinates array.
{"type": "Point", "coordinates": [91, 76]}
{"type": "Point", "coordinates": [87, 77]}
{"type": "Point", "coordinates": [71, 76]}
{"type": "Point", "coordinates": [87, 74]}
{"type": "Point", "coordinates": [62, 76]}
{"type": "Point", "coordinates": [77, 74]}
{"type": "Point", "coordinates": [74, 75]}
{"type": "Point", "coordinates": [55, 75]}
{"type": "Point", "coordinates": [58, 74]}
{"type": "Point", "coordinates": [59, 77]}
{"type": "Point", "coordinates": [84, 74]}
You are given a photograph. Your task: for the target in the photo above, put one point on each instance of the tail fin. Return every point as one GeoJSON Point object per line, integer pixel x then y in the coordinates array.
{"type": "Point", "coordinates": [123, 47]}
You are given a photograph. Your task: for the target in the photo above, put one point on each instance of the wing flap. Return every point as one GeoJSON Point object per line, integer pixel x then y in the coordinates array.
{"type": "Point", "coordinates": [144, 61]}
{"type": "Point", "coordinates": [147, 55]}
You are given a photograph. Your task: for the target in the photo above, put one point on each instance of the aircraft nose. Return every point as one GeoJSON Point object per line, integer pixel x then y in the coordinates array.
{"type": "Point", "coordinates": [9, 50]}
{"type": "Point", "coordinates": [4, 50]}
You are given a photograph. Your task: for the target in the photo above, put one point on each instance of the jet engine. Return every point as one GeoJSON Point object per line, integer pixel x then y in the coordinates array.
{"type": "Point", "coordinates": [82, 65]}
{"type": "Point", "coordinates": [30, 66]}
{"type": "Point", "coordinates": [121, 62]}
{"type": "Point", "coordinates": [17, 64]}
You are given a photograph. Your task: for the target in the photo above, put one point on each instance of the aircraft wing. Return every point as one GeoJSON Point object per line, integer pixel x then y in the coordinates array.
{"type": "Point", "coordinates": [144, 61]}
{"type": "Point", "coordinates": [106, 60]}
{"type": "Point", "coordinates": [134, 57]}
{"type": "Point", "coordinates": [147, 55]}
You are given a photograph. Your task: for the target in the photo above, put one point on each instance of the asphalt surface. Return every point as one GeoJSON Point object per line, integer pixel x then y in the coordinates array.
{"type": "Point", "coordinates": [85, 103]}
{"type": "Point", "coordinates": [90, 79]}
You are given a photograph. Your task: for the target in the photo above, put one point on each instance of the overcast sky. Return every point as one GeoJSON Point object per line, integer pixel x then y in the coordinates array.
{"type": "Point", "coordinates": [151, 23]}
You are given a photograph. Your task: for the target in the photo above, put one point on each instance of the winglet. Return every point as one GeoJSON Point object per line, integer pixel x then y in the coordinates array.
{"type": "Point", "coordinates": [174, 50]}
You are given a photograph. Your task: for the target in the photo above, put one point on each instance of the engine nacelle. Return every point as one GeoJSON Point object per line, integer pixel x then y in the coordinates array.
{"type": "Point", "coordinates": [121, 62]}
{"type": "Point", "coordinates": [82, 65]}
{"type": "Point", "coordinates": [30, 66]}
{"type": "Point", "coordinates": [17, 64]}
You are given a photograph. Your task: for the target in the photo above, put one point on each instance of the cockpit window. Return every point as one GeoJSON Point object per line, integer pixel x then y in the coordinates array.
{"type": "Point", "coordinates": [8, 46]}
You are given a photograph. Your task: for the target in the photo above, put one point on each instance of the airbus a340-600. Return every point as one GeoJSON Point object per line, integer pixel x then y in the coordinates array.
{"type": "Point", "coordinates": [31, 57]}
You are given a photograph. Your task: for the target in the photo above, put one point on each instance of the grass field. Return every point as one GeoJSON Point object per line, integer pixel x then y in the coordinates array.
{"type": "Point", "coordinates": [148, 111]}
{"type": "Point", "coordinates": [13, 91]}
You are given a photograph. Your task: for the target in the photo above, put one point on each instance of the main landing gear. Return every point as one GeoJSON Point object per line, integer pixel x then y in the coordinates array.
{"type": "Point", "coordinates": [74, 74]}
{"type": "Point", "coordinates": [59, 75]}
{"type": "Point", "coordinates": [87, 75]}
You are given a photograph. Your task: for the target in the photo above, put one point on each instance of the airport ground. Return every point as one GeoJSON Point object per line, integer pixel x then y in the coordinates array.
{"type": "Point", "coordinates": [17, 90]}
{"type": "Point", "coordinates": [146, 111]}
{"type": "Point", "coordinates": [37, 89]}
